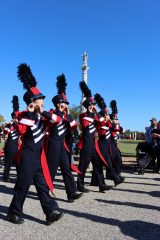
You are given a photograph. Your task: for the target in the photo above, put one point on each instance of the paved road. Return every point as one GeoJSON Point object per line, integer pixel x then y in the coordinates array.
{"type": "Point", "coordinates": [128, 211]}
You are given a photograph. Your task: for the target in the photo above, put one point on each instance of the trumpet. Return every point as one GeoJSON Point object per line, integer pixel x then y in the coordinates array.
{"type": "Point", "coordinates": [35, 107]}
{"type": "Point", "coordinates": [92, 109]}
{"type": "Point", "coordinates": [63, 107]}
{"type": "Point", "coordinates": [31, 107]}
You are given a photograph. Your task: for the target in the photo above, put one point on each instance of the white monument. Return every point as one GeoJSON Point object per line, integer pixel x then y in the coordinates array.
{"type": "Point", "coordinates": [84, 75]}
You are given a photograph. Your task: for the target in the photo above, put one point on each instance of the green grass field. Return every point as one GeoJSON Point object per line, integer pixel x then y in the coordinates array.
{"type": "Point", "coordinates": [128, 147]}
{"type": "Point", "coordinates": [1, 144]}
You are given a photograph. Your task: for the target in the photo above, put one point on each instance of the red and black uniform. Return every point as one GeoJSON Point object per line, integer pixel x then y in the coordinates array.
{"type": "Point", "coordinates": [87, 146]}
{"type": "Point", "coordinates": [57, 151]}
{"type": "Point", "coordinates": [32, 161]}
{"type": "Point", "coordinates": [115, 152]}
{"type": "Point", "coordinates": [11, 148]}
{"type": "Point", "coordinates": [104, 149]}
{"type": "Point", "coordinates": [32, 165]}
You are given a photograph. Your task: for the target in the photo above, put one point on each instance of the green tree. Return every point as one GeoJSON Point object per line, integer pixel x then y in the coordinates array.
{"type": "Point", "coordinates": [2, 119]}
{"type": "Point", "coordinates": [75, 111]}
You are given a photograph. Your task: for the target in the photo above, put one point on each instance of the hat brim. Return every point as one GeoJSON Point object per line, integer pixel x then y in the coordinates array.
{"type": "Point", "coordinates": [63, 101]}
{"type": "Point", "coordinates": [92, 103]}
{"type": "Point", "coordinates": [153, 120]}
{"type": "Point", "coordinates": [39, 96]}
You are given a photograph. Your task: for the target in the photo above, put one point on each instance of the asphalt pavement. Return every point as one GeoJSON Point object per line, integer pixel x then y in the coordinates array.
{"type": "Point", "coordinates": [128, 211]}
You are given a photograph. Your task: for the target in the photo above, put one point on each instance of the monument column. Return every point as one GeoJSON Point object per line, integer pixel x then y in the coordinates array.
{"type": "Point", "coordinates": [84, 75]}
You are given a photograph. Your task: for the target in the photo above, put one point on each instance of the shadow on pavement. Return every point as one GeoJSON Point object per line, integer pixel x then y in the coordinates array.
{"type": "Point", "coordinates": [4, 211]}
{"type": "Point", "coordinates": [136, 229]}
{"type": "Point", "coordinates": [155, 194]}
{"type": "Point", "coordinates": [7, 190]}
{"type": "Point", "coordinates": [142, 183]}
{"type": "Point", "coordinates": [130, 204]}
{"type": "Point", "coordinates": [136, 177]}
{"type": "Point", "coordinates": [152, 193]}
{"type": "Point", "coordinates": [156, 179]}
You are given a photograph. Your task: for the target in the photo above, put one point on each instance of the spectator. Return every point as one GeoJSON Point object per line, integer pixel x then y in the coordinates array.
{"type": "Point", "coordinates": [149, 139]}
{"type": "Point", "coordinates": [148, 133]}
{"type": "Point", "coordinates": [156, 137]}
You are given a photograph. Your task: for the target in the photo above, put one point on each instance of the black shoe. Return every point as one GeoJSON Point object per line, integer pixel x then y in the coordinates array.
{"type": "Point", "coordinates": [14, 218]}
{"type": "Point", "coordinates": [104, 188]}
{"type": "Point", "coordinates": [157, 170]}
{"type": "Point", "coordinates": [122, 179]}
{"type": "Point", "coordinates": [74, 196]}
{"type": "Point", "coordinates": [54, 216]}
{"type": "Point", "coordinates": [119, 180]}
{"type": "Point", "coordinates": [82, 189]}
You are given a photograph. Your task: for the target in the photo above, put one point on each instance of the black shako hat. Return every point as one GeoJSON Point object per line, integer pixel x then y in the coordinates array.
{"type": "Point", "coordinates": [15, 103]}
{"type": "Point", "coordinates": [87, 93]}
{"type": "Point", "coordinates": [61, 90]}
{"type": "Point", "coordinates": [114, 114]}
{"type": "Point", "coordinates": [101, 104]}
{"type": "Point", "coordinates": [29, 83]}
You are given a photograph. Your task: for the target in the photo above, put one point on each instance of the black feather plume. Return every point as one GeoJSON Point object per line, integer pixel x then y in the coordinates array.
{"type": "Point", "coordinates": [25, 76]}
{"type": "Point", "coordinates": [100, 101]}
{"type": "Point", "coordinates": [113, 105]}
{"type": "Point", "coordinates": [85, 90]}
{"type": "Point", "coordinates": [61, 84]}
{"type": "Point", "coordinates": [15, 103]}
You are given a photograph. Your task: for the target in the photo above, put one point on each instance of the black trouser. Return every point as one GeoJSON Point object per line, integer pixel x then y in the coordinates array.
{"type": "Point", "coordinates": [30, 170]}
{"type": "Point", "coordinates": [152, 153]}
{"type": "Point", "coordinates": [116, 157]}
{"type": "Point", "coordinates": [10, 154]}
{"type": "Point", "coordinates": [85, 158]}
{"type": "Point", "coordinates": [157, 152]}
{"type": "Point", "coordinates": [104, 147]}
{"type": "Point", "coordinates": [58, 157]}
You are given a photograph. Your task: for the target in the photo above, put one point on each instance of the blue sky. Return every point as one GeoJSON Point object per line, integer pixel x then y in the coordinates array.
{"type": "Point", "coordinates": [121, 37]}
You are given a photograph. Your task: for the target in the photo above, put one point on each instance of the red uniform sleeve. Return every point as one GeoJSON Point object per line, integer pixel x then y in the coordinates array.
{"type": "Point", "coordinates": [85, 120]}
{"type": "Point", "coordinates": [109, 124]}
{"type": "Point", "coordinates": [25, 119]}
{"type": "Point", "coordinates": [96, 119]}
{"type": "Point", "coordinates": [7, 129]}
{"type": "Point", "coordinates": [70, 122]}
{"type": "Point", "coordinates": [21, 128]}
{"type": "Point", "coordinates": [102, 127]}
{"type": "Point", "coordinates": [51, 118]}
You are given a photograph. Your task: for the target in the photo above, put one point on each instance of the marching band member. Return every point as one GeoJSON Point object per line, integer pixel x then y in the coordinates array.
{"type": "Point", "coordinates": [115, 132]}
{"type": "Point", "coordinates": [12, 143]}
{"type": "Point", "coordinates": [32, 164]}
{"type": "Point", "coordinates": [104, 142]}
{"type": "Point", "coordinates": [88, 121]}
{"type": "Point", "coordinates": [57, 150]}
